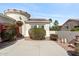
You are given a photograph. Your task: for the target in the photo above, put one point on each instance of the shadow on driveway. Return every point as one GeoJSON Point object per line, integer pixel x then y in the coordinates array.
{"type": "Point", "coordinates": [9, 43]}
{"type": "Point", "coordinates": [6, 44]}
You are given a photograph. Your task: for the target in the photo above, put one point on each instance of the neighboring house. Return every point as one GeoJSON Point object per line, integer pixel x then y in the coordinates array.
{"type": "Point", "coordinates": [70, 24]}
{"type": "Point", "coordinates": [28, 22]}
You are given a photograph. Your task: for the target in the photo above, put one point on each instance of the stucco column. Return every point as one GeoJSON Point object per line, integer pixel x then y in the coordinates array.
{"type": "Point", "coordinates": [46, 27]}
{"type": "Point", "coordinates": [25, 29]}
{"type": "Point", "coordinates": [28, 26]}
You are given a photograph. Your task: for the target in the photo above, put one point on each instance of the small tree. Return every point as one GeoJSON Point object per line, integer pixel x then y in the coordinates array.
{"type": "Point", "coordinates": [56, 23]}
{"type": "Point", "coordinates": [50, 27]}
{"type": "Point", "coordinates": [50, 20]}
{"type": "Point", "coordinates": [55, 26]}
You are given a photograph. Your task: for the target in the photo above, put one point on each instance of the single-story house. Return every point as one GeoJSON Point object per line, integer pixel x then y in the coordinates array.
{"type": "Point", "coordinates": [28, 22]}
{"type": "Point", "coordinates": [70, 24]}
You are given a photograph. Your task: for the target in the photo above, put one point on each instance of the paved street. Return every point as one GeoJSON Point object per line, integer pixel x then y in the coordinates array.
{"type": "Point", "coordinates": [33, 48]}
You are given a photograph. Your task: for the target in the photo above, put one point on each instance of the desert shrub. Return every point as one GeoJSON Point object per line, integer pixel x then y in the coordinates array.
{"type": "Point", "coordinates": [37, 33]}
{"type": "Point", "coordinates": [75, 29]}
{"type": "Point", "coordinates": [53, 37]}
{"type": "Point", "coordinates": [8, 34]}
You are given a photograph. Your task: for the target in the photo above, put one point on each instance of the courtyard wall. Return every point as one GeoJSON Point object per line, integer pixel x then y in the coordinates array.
{"type": "Point", "coordinates": [69, 35]}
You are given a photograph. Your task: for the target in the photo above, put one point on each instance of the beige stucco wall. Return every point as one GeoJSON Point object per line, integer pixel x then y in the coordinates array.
{"type": "Point", "coordinates": [28, 26]}
{"type": "Point", "coordinates": [16, 16]}
{"type": "Point", "coordinates": [25, 27]}
{"type": "Point", "coordinates": [46, 27]}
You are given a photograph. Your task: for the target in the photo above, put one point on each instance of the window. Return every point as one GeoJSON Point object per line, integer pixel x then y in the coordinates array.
{"type": "Point", "coordinates": [43, 27]}
{"type": "Point", "coordinates": [37, 26]}
{"type": "Point", "coordinates": [34, 26]}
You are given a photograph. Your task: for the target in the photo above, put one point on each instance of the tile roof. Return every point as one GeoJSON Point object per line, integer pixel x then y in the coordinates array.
{"type": "Point", "coordinates": [9, 19]}
{"type": "Point", "coordinates": [38, 19]}
{"type": "Point", "coordinates": [69, 20]}
{"type": "Point", "coordinates": [17, 12]}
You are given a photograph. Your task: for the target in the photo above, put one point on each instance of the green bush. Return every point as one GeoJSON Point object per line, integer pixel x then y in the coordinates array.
{"type": "Point", "coordinates": [8, 34]}
{"type": "Point", "coordinates": [53, 37]}
{"type": "Point", "coordinates": [75, 29]}
{"type": "Point", "coordinates": [37, 33]}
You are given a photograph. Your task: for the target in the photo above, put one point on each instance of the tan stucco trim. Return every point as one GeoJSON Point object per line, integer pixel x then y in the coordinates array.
{"type": "Point", "coordinates": [17, 12]}
{"type": "Point", "coordinates": [46, 22]}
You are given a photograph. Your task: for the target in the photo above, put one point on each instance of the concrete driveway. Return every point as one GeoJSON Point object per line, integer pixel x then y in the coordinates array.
{"type": "Point", "coordinates": [33, 48]}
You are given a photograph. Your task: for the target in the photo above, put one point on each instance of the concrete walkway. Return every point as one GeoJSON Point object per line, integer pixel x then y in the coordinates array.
{"type": "Point", "coordinates": [33, 48]}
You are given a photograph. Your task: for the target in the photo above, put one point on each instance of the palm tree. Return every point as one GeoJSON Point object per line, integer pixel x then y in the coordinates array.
{"type": "Point", "coordinates": [56, 25]}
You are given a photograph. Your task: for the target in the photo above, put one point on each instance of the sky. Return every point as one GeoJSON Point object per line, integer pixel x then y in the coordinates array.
{"type": "Point", "coordinates": [56, 11]}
